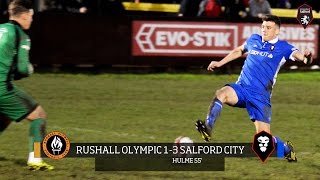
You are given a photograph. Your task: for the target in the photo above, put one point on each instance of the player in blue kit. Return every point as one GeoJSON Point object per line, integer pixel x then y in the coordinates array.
{"type": "Point", "coordinates": [253, 90]}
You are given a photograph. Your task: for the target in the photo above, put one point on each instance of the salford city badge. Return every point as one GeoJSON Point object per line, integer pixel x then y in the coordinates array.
{"type": "Point", "coordinates": [304, 15]}
{"type": "Point", "coordinates": [263, 145]}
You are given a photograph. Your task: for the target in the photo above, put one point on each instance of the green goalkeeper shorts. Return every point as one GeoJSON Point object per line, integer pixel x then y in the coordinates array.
{"type": "Point", "coordinates": [15, 104]}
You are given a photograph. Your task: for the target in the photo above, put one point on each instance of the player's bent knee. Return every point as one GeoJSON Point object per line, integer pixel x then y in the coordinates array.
{"type": "Point", "coordinates": [224, 93]}
{"type": "Point", "coordinates": [37, 113]}
{"type": "Point", "coordinates": [221, 95]}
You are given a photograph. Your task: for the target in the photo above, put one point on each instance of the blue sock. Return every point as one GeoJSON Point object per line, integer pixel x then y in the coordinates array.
{"type": "Point", "coordinates": [285, 150]}
{"type": "Point", "coordinates": [214, 112]}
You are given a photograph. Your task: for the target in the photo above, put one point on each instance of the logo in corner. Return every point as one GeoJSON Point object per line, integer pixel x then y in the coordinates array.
{"type": "Point", "coordinates": [305, 15]}
{"type": "Point", "coordinates": [263, 145]}
{"type": "Point", "coordinates": [56, 145]}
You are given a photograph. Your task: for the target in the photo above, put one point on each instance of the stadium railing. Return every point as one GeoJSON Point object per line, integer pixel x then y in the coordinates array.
{"type": "Point", "coordinates": [174, 8]}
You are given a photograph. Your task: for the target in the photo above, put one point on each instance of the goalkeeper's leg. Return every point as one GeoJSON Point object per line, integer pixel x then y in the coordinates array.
{"type": "Point", "coordinates": [37, 132]}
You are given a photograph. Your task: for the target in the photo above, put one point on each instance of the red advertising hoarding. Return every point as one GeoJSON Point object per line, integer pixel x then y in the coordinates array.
{"type": "Point", "coordinates": [162, 38]}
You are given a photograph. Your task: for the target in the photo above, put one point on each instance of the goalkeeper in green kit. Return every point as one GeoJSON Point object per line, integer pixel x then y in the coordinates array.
{"type": "Point", "coordinates": [15, 104]}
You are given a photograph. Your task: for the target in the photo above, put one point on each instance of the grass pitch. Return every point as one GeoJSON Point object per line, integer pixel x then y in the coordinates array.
{"type": "Point", "coordinates": [159, 108]}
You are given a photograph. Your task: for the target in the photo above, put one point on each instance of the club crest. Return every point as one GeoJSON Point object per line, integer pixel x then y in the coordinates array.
{"type": "Point", "coordinates": [304, 15]}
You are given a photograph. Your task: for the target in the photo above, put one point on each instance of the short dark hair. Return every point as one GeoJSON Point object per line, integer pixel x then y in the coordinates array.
{"type": "Point", "coordinates": [17, 7]}
{"type": "Point", "coordinates": [272, 18]}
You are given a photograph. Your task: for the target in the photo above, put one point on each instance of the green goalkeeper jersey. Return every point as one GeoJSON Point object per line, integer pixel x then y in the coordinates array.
{"type": "Point", "coordinates": [9, 68]}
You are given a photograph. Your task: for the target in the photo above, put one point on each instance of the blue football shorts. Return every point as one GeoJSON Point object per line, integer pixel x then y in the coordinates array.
{"type": "Point", "coordinates": [258, 106]}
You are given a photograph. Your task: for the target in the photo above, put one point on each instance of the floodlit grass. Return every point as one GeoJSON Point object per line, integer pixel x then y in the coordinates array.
{"type": "Point", "coordinates": [158, 108]}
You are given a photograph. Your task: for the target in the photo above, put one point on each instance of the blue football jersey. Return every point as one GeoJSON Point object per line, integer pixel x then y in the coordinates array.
{"type": "Point", "coordinates": [263, 63]}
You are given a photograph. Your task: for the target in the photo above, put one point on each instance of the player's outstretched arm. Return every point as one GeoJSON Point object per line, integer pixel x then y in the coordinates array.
{"type": "Point", "coordinates": [305, 57]}
{"type": "Point", "coordinates": [234, 54]}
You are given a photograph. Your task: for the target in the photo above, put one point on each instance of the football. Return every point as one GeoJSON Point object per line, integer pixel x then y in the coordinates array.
{"type": "Point", "coordinates": [183, 143]}
{"type": "Point", "coordinates": [183, 140]}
